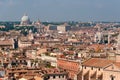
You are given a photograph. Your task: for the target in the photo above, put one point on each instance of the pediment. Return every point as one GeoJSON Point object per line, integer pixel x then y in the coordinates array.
{"type": "Point", "coordinates": [113, 67]}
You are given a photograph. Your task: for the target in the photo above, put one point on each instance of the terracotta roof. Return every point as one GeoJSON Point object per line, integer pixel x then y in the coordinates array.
{"type": "Point", "coordinates": [6, 42]}
{"type": "Point", "coordinates": [97, 62]}
{"type": "Point", "coordinates": [95, 46]}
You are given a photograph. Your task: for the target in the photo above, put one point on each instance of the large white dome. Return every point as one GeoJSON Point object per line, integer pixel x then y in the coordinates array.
{"type": "Point", "coordinates": [25, 18]}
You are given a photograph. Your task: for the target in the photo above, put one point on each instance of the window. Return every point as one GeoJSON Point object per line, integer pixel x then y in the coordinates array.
{"type": "Point", "coordinates": [99, 69]}
{"type": "Point", "coordinates": [48, 77]}
{"type": "Point", "coordinates": [112, 77]}
{"type": "Point", "coordinates": [112, 67]}
{"type": "Point", "coordinates": [53, 77]}
{"type": "Point", "coordinates": [91, 68]}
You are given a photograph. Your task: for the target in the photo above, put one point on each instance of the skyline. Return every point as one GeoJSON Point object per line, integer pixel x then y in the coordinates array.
{"type": "Point", "coordinates": [60, 10]}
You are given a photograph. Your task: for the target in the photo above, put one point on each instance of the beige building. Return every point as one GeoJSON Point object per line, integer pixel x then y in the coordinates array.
{"type": "Point", "coordinates": [92, 69]}
{"type": "Point", "coordinates": [112, 72]}
{"type": "Point", "coordinates": [9, 43]}
{"type": "Point", "coordinates": [24, 42]}
{"type": "Point", "coordinates": [101, 69]}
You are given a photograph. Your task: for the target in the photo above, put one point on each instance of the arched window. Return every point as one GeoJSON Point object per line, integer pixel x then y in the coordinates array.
{"type": "Point", "coordinates": [112, 77]}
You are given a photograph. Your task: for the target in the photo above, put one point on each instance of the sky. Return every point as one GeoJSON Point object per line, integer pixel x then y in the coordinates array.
{"type": "Point", "coordinates": [60, 10]}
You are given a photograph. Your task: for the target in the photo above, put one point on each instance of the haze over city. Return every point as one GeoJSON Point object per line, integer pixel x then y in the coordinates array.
{"type": "Point", "coordinates": [60, 10]}
{"type": "Point", "coordinates": [59, 40]}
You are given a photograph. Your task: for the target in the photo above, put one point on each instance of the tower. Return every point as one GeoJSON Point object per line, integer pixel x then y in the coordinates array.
{"type": "Point", "coordinates": [109, 36]}
{"type": "Point", "coordinates": [98, 37]}
{"type": "Point", "coordinates": [30, 35]}
{"type": "Point", "coordinates": [118, 49]}
{"type": "Point", "coordinates": [39, 26]}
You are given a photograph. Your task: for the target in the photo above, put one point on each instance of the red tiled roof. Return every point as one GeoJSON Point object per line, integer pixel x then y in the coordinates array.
{"type": "Point", "coordinates": [97, 62]}
{"type": "Point", "coordinates": [6, 42]}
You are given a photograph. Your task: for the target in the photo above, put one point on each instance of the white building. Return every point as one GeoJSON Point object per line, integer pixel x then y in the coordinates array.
{"type": "Point", "coordinates": [63, 28]}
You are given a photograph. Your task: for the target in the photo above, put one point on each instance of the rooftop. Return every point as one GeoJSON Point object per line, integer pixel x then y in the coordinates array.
{"type": "Point", "coordinates": [97, 62]}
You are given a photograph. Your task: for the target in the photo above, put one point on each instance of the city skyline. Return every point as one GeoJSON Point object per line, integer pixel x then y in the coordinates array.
{"type": "Point", "coordinates": [60, 10]}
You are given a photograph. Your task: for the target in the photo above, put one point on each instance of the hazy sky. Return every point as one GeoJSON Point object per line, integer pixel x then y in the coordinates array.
{"type": "Point", "coordinates": [61, 10]}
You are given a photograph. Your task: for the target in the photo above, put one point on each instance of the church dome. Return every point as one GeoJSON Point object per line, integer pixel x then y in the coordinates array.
{"type": "Point", "coordinates": [25, 18]}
